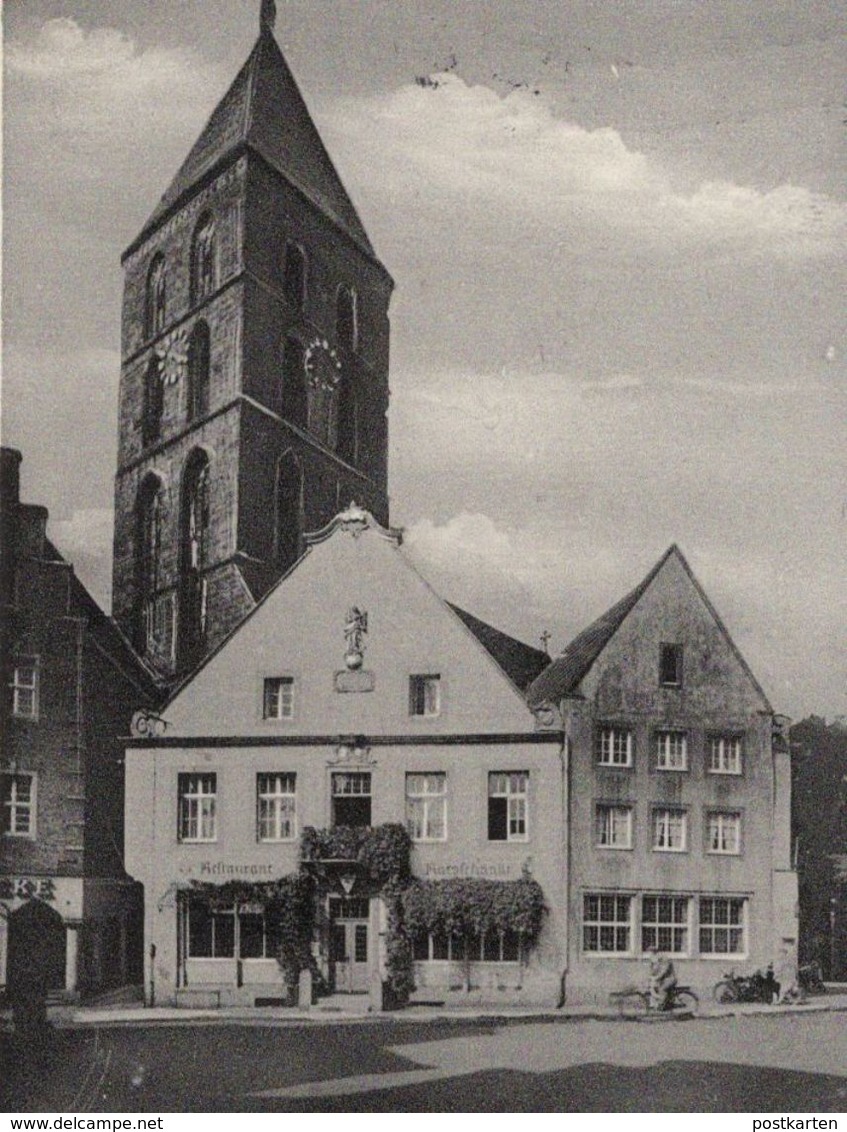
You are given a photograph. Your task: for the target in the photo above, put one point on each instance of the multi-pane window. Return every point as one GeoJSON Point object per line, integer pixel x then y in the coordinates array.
{"type": "Point", "coordinates": [351, 798]}
{"type": "Point", "coordinates": [724, 754]}
{"type": "Point", "coordinates": [614, 746]}
{"type": "Point", "coordinates": [17, 792]}
{"type": "Point", "coordinates": [490, 947]}
{"type": "Point", "coordinates": [23, 688]}
{"type": "Point", "coordinates": [425, 695]}
{"type": "Point", "coordinates": [229, 933]}
{"type": "Point", "coordinates": [203, 260]}
{"type": "Point", "coordinates": [278, 697]}
{"type": "Point", "coordinates": [276, 807]}
{"type": "Point", "coordinates": [198, 797]}
{"type": "Point", "coordinates": [670, 830]}
{"type": "Point", "coordinates": [664, 924]}
{"type": "Point", "coordinates": [508, 806]}
{"type": "Point", "coordinates": [614, 827]}
{"type": "Point", "coordinates": [294, 279]}
{"type": "Point", "coordinates": [426, 806]}
{"type": "Point", "coordinates": [723, 832]}
{"type": "Point", "coordinates": [670, 666]}
{"type": "Point", "coordinates": [606, 922]}
{"type": "Point", "coordinates": [722, 925]}
{"type": "Point", "coordinates": [671, 750]}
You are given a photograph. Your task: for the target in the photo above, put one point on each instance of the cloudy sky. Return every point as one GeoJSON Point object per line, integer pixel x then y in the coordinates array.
{"type": "Point", "coordinates": [617, 230]}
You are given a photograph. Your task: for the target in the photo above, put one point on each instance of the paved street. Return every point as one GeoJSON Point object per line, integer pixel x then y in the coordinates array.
{"type": "Point", "coordinates": [785, 1063]}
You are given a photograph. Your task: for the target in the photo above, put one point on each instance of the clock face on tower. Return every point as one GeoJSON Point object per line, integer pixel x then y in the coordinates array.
{"type": "Point", "coordinates": [323, 367]}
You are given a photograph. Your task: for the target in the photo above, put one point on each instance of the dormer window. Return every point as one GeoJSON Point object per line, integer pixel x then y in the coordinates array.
{"type": "Point", "coordinates": [294, 280]}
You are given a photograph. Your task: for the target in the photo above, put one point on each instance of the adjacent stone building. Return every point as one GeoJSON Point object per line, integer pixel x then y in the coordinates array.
{"type": "Point", "coordinates": [679, 824]}
{"type": "Point", "coordinates": [72, 684]}
{"type": "Point", "coordinates": [254, 377]}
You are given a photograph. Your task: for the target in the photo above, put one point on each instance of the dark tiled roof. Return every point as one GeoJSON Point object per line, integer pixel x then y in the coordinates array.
{"type": "Point", "coordinates": [264, 110]}
{"type": "Point", "coordinates": [521, 663]}
{"type": "Point", "coordinates": [566, 672]}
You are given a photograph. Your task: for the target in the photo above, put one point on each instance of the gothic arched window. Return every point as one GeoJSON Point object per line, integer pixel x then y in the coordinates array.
{"type": "Point", "coordinates": [294, 278]}
{"type": "Point", "coordinates": [155, 303]}
{"type": "Point", "coordinates": [194, 555]}
{"type": "Point", "coordinates": [288, 510]}
{"type": "Point", "coordinates": [346, 321]}
{"type": "Point", "coordinates": [295, 398]}
{"type": "Point", "coordinates": [198, 371]}
{"type": "Point", "coordinates": [154, 402]}
{"type": "Point", "coordinates": [347, 420]}
{"type": "Point", "coordinates": [203, 260]}
{"type": "Point", "coordinates": [148, 553]}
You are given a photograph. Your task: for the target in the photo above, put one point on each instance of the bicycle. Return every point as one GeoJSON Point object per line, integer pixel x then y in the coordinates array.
{"type": "Point", "coordinates": [633, 1002]}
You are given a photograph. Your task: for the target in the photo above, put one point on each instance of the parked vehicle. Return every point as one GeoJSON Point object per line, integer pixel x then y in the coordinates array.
{"type": "Point", "coordinates": [633, 1002]}
{"type": "Point", "coordinates": [761, 986]}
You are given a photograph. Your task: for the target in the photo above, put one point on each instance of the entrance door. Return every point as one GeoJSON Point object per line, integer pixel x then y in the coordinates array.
{"type": "Point", "coordinates": [36, 954]}
{"type": "Point", "coordinates": [349, 945]}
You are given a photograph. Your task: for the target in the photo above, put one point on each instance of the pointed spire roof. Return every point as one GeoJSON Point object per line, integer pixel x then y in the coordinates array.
{"type": "Point", "coordinates": [567, 671]}
{"type": "Point", "coordinates": [264, 111]}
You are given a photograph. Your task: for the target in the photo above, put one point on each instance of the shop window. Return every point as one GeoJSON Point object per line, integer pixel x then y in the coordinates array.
{"type": "Point", "coordinates": [490, 947]}
{"type": "Point", "coordinates": [198, 799]}
{"type": "Point", "coordinates": [23, 688]}
{"type": "Point", "coordinates": [607, 923]}
{"type": "Point", "coordinates": [614, 826]}
{"type": "Point", "coordinates": [245, 932]}
{"type": "Point", "coordinates": [614, 746]}
{"type": "Point", "coordinates": [508, 806]}
{"type": "Point", "coordinates": [17, 794]}
{"type": "Point", "coordinates": [426, 806]}
{"type": "Point", "coordinates": [664, 924]}
{"type": "Point", "coordinates": [425, 695]}
{"type": "Point", "coordinates": [276, 807]}
{"type": "Point", "coordinates": [351, 799]}
{"type": "Point", "coordinates": [722, 925]}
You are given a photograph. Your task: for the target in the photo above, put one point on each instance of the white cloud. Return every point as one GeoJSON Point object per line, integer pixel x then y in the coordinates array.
{"type": "Point", "coordinates": [475, 147]}
{"type": "Point", "coordinates": [92, 85]}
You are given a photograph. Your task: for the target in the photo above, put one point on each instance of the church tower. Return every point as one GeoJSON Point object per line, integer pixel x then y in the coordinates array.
{"type": "Point", "coordinates": [254, 379]}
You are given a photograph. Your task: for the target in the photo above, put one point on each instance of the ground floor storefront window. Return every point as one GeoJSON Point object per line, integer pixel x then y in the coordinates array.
{"type": "Point", "coordinates": [626, 924]}
{"type": "Point", "coordinates": [490, 947]}
{"type": "Point", "coordinates": [243, 932]}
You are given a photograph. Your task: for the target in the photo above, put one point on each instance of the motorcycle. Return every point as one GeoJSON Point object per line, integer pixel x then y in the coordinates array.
{"type": "Point", "coordinates": [761, 986]}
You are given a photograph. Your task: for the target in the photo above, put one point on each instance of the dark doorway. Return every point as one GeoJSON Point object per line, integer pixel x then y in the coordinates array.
{"type": "Point", "coordinates": [36, 954]}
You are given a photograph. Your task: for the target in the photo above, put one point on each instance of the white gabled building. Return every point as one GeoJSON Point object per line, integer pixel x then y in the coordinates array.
{"type": "Point", "coordinates": [352, 696]}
